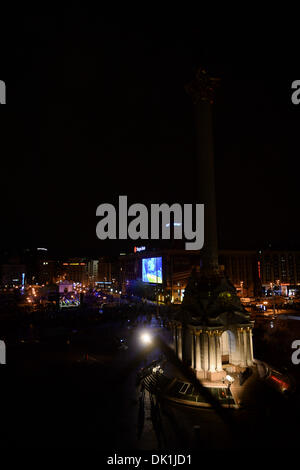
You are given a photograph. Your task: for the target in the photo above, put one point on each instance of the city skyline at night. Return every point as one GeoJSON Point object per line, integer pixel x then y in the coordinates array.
{"type": "Point", "coordinates": [150, 239]}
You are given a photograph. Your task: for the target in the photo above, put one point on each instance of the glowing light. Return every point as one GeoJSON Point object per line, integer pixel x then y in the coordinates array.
{"type": "Point", "coordinates": [279, 381]}
{"type": "Point", "coordinates": [258, 265]}
{"type": "Point", "coordinates": [139, 248]}
{"type": "Point", "coordinates": [152, 270]}
{"type": "Point", "coordinates": [229, 378]}
{"type": "Point", "coordinates": [146, 338]}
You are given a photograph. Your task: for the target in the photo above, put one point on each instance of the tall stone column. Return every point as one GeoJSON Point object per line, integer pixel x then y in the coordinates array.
{"type": "Point", "coordinates": [201, 90]}
{"type": "Point", "coordinates": [198, 351]}
{"type": "Point", "coordinates": [235, 354]}
{"type": "Point", "coordinates": [174, 338]}
{"type": "Point", "coordinates": [248, 343]}
{"type": "Point", "coordinates": [242, 347]}
{"type": "Point", "coordinates": [192, 349]}
{"type": "Point", "coordinates": [251, 345]}
{"type": "Point", "coordinates": [246, 346]}
{"type": "Point", "coordinates": [179, 342]}
{"type": "Point", "coordinates": [218, 351]}
{"type": "Point", "coordinates": [205, 352]}
{"type": "Point", "coordinates": [212, 352]}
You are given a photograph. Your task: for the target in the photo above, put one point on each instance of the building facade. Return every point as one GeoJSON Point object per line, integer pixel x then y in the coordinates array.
{"type": "Point", "coordinates": [252, 273]}
{"type": "Point", "coordinates": [209, 350]}
{"type": "Point", "coordinates": [240, 266]}
{"type": "Point", "coordinates": [176, 267]}
{"type": "Point", "coordinates": [74, 270]}
{"type": "Point", "coordinates": [13, 274]}
{"type": "Point", "coordinates": [279, 271]}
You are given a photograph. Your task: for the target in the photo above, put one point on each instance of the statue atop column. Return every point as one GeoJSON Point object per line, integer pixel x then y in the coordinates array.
{"type": "Point", "coordinates": [203, 87]}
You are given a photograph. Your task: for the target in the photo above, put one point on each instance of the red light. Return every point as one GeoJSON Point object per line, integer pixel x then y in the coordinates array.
{"type": "Point", "coordinates": [281, 382]}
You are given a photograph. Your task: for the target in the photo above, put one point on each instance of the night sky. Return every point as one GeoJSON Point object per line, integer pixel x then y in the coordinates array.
{"type": "Point", "coordinates": [97, 109]}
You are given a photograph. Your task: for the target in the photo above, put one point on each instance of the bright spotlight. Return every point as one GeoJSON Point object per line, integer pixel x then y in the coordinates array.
{"type": "Point", "coordinates": [229, 378]}
{"type": "Point", "coordinates": [146, 338]}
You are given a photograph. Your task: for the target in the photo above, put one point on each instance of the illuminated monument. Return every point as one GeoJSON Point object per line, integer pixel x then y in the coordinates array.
{"type": "Point", "coordinates": [213, 330]}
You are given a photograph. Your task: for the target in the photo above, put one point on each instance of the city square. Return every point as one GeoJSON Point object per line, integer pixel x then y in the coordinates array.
{"type": "Point", "coordinates": [150, 255]}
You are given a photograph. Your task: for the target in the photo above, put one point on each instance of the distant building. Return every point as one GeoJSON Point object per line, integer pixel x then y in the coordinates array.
{"type": "Point", "coordinates": [37, 270]}
{"type": "Point", "coordinates": [75, 270]}
{"type": "Point", "coordinates": [252, 273]}
{"type": "Point", "coordinates": [241, 268]}
{"type": "Point", "coordinates": [174, 267]}
{"type": "Point", "coordinates": [65, 286]}
{"type": "Point", "coordinates": [13, 274]}
{"type": "Point", "coordinates": [105, 271]}
{"type": "Point", "coordinates": [48, 271]}
{"type": "Point", "coordinates": [279, 271]}
{"type": "Point", "coordinates": [93, 271]}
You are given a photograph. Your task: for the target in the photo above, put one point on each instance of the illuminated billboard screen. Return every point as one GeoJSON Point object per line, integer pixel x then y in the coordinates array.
{"type": "Point", "coordinates": [152, 270]}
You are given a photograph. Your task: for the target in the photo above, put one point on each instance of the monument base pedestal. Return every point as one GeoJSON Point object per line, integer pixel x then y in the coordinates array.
{"type": "Point", "coordinates": [216, 376]}
{"type": "Point", "coordinates": [200, 374]}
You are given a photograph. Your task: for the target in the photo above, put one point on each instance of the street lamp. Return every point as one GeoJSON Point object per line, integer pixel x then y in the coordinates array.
{"type": "Point", "coordinates": [146, 338]}
{"type": "Point", "coordinates": [230, 381]}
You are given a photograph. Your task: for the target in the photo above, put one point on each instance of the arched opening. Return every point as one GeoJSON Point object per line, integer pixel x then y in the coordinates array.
{"type": "Point", "coordinates": [227, 346]}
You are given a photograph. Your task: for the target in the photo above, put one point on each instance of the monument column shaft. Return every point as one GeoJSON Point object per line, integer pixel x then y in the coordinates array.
{"type": "Point", "coordinates": [198, 353]}
{"type": "Point", "coordinates": [175, 338]}
{"type": "Point", "coordinates": [218, 352]}
{"type": "Point", "coordinates": [251, 346]}
{"type": "Point", "coordinates": [212, 353]}
{"type": "Point", "coordinates": [193, 350]}
{"type": "Point", "coordinates": [179, 343]}
{"type": "Point", "coordinates": [205, 352]}
{"type": "Point", "coordinates": [248, 346]}
{"type": "Point", "coordinates": [242, 348]}
{"type": "Point", "coordinates": [246, 350]}
{"type": "Point", "coordinates": [206, 182]}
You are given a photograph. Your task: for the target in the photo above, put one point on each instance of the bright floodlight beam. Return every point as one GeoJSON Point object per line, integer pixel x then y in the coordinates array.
{"type": "Point", "coordinates": [146, 338]}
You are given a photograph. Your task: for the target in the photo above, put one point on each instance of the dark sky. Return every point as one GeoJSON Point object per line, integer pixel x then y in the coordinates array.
{"type": "Point", "coordinates": [97, 109]}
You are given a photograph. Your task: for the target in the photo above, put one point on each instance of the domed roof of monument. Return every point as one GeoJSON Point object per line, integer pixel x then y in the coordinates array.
{"type": "Point", "coordinates": [211, 299]}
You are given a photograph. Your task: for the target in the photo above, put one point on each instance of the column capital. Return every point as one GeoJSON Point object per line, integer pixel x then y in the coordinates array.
{"type": "Point", "coordinates": [210, 332]}
{"type": "Point", "coordinates": [197, 332]}
{"type": "Point", "coordinates": [219, 332]}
